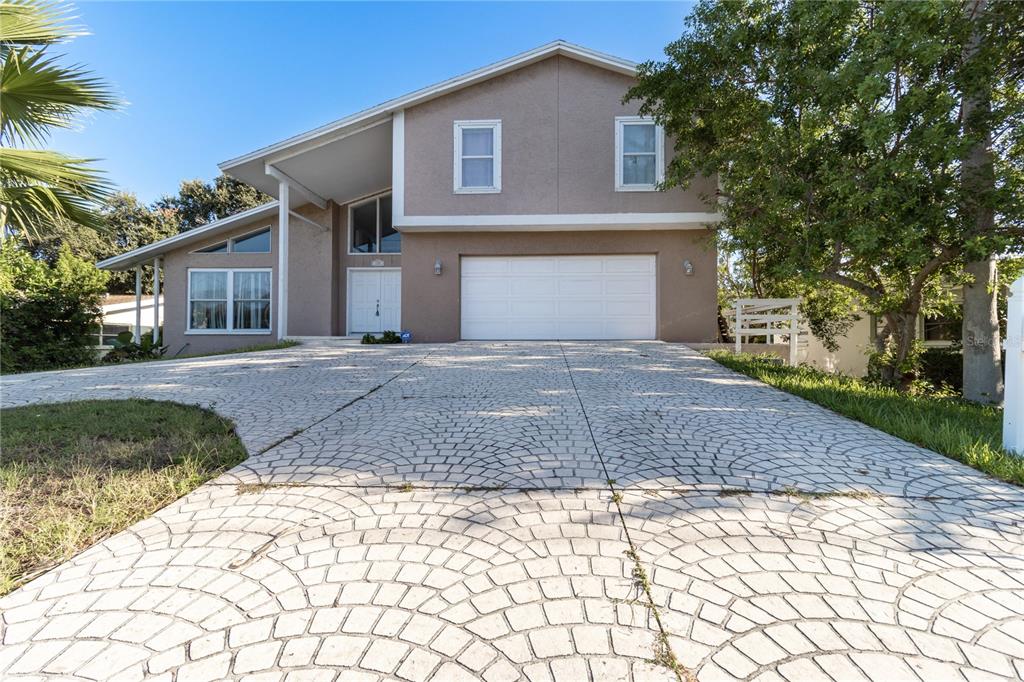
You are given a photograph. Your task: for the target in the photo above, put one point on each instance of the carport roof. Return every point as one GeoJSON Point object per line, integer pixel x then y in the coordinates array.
{"type": "Point", "coordinates": [144, 254]}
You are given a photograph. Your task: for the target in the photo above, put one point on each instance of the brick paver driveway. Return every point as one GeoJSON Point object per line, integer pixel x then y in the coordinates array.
{"type": "Point", "coordinates": [539, 511]}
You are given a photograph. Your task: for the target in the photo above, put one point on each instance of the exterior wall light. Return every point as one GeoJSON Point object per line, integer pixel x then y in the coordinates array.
{"type": "Point", "coordinates": [687, 267]}
{"type": "Point", "coordinates": [437, 266]}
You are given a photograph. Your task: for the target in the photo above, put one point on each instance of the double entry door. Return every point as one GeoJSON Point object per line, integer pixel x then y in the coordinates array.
{"type": "Point", "coordinates": [374, 300]}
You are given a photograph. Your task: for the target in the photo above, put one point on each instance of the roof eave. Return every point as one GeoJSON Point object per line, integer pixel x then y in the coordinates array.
{"type": "Point", "coordinates": [142, 254]}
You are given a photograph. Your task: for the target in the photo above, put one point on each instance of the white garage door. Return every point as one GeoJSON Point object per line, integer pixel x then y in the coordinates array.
{"type": "Point", "coordinates": [558, 297]}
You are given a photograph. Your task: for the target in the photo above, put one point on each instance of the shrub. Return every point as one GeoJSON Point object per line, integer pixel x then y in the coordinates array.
{"type": "Point", "coordinates": [126, 350]}
{"type": "Point", "coordinates": [48, 314]}
{"type": "Point", "coordinates": [943, 368]}
{"type": "Point", "coordinates": [388, 336]}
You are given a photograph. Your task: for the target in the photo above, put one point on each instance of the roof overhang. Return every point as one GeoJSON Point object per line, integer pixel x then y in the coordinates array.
{"type": "Point", "coordinates": [145, 254]}
{"type": "Point", "coordinates": [351, 157]}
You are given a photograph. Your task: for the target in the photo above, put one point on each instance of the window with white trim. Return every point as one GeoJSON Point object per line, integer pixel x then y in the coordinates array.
{"type": "Point", "coordinates": [639, 154]}
{"type": "Point", "coordinates": [477, 157]}
{"type": "Point", "coordinates": [229, 301]}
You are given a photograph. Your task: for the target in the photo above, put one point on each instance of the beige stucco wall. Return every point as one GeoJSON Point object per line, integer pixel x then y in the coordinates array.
{"type": "Point", "coordinates": [686, 304]}
{"type": "Point", "coordinates": [310, 296]}
{"type": "Point", "coordinates": [558, 146]}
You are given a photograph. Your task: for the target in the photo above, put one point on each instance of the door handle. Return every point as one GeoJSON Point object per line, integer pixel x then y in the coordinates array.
{"type": "Point", "coordinates": [378, 308]}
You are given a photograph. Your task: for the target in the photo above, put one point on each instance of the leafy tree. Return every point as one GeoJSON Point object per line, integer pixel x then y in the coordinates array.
{"type": "Point", "coordinates": [837, 133]}
{"type": "Point", "coordinates": [198, 202]}
{"type": "Point", "coordinates": [128, 224]}
{"type": "Point", "coordinates": [41, 187]}
{"type": "Point", "coordinates": [48, 313]}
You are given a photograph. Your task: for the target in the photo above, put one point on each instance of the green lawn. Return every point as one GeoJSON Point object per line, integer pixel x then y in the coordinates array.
{"type": "Point", "coordinates": [968, 433]}
{"type": "Point", "coordinates": [74, 473]}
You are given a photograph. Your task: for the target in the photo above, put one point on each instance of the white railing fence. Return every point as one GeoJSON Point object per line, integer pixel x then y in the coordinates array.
{"type": "Point", "coordinates": [1013, 393]}
{"type": "Point", "coordinates": [769, 317]}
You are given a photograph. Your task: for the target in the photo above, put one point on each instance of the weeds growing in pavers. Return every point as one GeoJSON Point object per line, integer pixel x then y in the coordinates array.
{"type": "Point", "coordinates": [963, 431]}
{"type": "Point", "coordinates": [790, 491]}
{"type": "Point", "coordinates": [75, 473]}
{"type": "Point", "coordinates": [663, 654]}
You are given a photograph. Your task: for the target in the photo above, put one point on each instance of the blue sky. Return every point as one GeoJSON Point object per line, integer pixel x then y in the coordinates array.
{"type": "Point", "coordinates": [206, 82]}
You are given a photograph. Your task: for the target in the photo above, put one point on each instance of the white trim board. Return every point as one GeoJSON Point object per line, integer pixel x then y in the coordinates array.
{"type": "Point", "coordinates": [560, 221]}
{"type": "Point", "coordinates": [557, 47]}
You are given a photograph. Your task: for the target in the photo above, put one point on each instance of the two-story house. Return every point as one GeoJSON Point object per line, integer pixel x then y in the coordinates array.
{"type": "Point", "coordinates": [518, 201]}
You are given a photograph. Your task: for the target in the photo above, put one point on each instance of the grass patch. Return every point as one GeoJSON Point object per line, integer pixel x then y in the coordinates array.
{"type": "Point", "coordinates": [243, 349]}
{"type": "Point", "coordinates": [963, 431]}
{"type": "Point", "coordinates": [75, 473]}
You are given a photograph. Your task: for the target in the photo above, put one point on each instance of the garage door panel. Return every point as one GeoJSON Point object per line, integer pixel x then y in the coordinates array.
{"type": "Point", "coordinates": [630, 264]}
{"type": "Point", "coordinates": [558, 297]}
{"type": "Point", "coordinates": [631, 285]}
{"type": "Point", "coordinates": [532, 266]}
{"type": "Point", "coordinates": [484, 266]}
{"type": "Point", "coordinates": [488, 288]}
{"type": "Point", "coordinates": [579, 286]}
{"type": "Point", "coordinates": [580, 265]}
{"type": "Point", "coordinates": [532, 286]}
{"type": "Point", "coordinates": [485, 308]}
{"type": "Point", "coordinates": [628, 308]}
{"type": "Point", "coordinates": [533, 308]}
{"type": "Point", "coordinates": [581, 307]}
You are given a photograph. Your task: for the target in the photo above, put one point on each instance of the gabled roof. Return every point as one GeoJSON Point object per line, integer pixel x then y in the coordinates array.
{"type": "Point", "coordinates": [144, 254]}
{"type": "Point", "coordinates": [319, 135]}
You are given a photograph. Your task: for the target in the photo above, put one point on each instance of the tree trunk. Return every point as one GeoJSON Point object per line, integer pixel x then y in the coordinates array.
{"type": "Point", "coordinates": [982, 374]}
{"type": "Point", "coordinates": [900, 334]}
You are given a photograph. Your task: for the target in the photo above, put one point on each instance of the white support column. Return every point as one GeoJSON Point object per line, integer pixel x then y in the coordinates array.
{"type": "Point", "coordinates": [156, 301]}
{"type": "Point", "coordinates": [794, 333]}
{"type": "Point", "coordinates": [282, 261]}
{"type": "Point", "coordinates": [1013, 395]}
{"type": "Point", "coordinates": [739, 326]}
{"type": "Point", "coordinates": [398, 167]}
{"type": "Point", "coordinates": [137, 334]}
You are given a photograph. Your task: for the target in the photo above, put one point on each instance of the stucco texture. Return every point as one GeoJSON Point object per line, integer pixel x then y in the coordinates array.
{"type": "Point", "coordinates": [558, 146]}
{"type": "Point", "coordinates": [687, 304]}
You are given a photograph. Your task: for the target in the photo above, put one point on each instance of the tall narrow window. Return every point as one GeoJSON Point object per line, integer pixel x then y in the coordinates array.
{"type": "Point", "coordinates": [251, 300]}
{"type": "Point", "coordinates": [208, 299]}
{"type": "Point", "coordinates": [477, 157]}
{"type": "Point", "coordinates": [370, 228]}
{"type": "Point", "coordinates": [639, 154]}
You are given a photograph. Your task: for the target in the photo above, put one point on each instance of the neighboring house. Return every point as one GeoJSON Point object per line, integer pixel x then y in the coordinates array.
{"type": "Point", "coordinates": [518, 201]}
{"type": "Point", "coordinates": [935, 331]}
{"type": "Point", "coordinates": [119, 315]}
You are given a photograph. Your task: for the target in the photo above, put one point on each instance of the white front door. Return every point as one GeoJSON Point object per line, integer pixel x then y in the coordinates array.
{"type": "Point", "coordinates": [374, 300]}
{"type": "Point", "coordinates": [559, 297]}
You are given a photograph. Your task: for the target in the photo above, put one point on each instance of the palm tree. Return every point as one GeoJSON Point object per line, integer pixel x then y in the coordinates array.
{"type": "Point", "coordinates": [39, 187]}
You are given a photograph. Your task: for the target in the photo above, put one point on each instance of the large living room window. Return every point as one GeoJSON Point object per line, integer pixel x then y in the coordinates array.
{"type": "Point", "coordinates": [639, 154]}
{"type": "Point", "coordinates": [370, 228]}
{"type": "Point", "coordinates": [477, 157]}
{"type": "Point", "coordinates": [229, 301]}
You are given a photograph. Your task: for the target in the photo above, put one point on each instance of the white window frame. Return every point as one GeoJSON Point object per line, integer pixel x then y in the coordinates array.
{"type": "Point", "coordinates": [659, 154]}
{"type": "Point", "coordinates": [356, 204]}
{"type": "Point", "coordinates": [229, 244]}
{"type": "Point", "coordinates": [495, 126]}
{"type": "Point", "coordinates": [231, 303]}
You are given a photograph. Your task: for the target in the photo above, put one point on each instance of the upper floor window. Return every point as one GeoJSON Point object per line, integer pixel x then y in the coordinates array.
{"type": "Point", "coordinates": [254, 242]}
{"type": "Point", "coordinates": [639, 154]}
{"type": "Point", "coordinates": [370, 228]}
{"type": "Point", "coordinates": [477, 157]}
